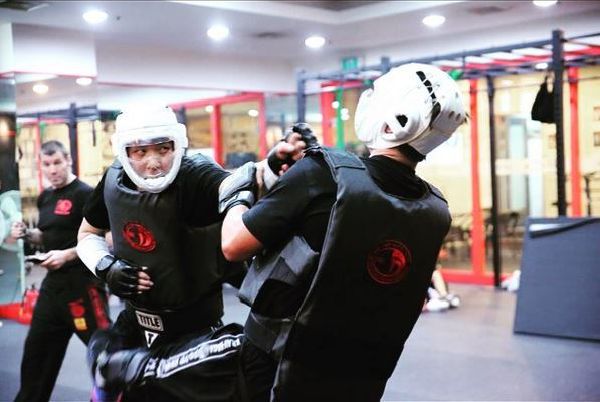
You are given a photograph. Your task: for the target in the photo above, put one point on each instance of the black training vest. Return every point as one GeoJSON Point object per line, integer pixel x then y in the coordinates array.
{"type": "Point", "coordinates": [366, 295]}
{"type": "Point", "coordinates": [148, 230]}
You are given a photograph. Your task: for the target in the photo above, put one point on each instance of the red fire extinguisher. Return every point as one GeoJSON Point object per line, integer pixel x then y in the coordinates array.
{"type": "Point", "coordinates": [27, 304]}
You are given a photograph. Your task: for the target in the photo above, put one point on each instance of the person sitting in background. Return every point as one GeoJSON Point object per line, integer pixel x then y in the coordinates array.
{"type": "Point", "coordinates": [438, 296]}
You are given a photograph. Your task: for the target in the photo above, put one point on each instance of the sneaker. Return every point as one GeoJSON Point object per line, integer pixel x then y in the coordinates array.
{"type": "Point", "coordinates": [437, 304]}
{"type": "Point", "coordinates": [453, 300]}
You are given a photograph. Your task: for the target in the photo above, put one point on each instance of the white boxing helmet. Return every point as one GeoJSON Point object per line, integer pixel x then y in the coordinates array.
{"type": "Point", "coordinates": [147, 125]}
{"type": "Point", "coordinates": [420, 105]}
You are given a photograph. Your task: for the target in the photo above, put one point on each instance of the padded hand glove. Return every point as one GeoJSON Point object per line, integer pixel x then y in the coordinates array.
{"type": "Point", "coordinates": [238, 188]}
{"type": "Point", "coordinates": [120, 275]}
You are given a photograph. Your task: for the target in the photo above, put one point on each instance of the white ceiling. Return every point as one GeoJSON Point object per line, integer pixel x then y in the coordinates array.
{"type": "Point", "coordinates": [276, 29]}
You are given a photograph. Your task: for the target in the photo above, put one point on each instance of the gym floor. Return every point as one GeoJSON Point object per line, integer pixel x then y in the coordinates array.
{"type": "Point", "coordinates": [467, 354]}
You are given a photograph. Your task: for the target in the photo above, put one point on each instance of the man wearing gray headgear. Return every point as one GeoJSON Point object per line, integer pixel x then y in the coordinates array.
{"type": "Point", "coordinates": [345, 249]}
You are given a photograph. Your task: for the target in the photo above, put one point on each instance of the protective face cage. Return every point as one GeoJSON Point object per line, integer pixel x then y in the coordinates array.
{"type": "Point", "coordinates": [414, 104]}
{"type": "Point", "coordinates": [139, 126]}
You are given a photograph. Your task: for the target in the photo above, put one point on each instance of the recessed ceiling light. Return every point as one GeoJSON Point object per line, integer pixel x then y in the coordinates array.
{"type": "Point", "coordinates": [545, 3]}
{"type": "Point", "coordinates": [209, 108]}
{"type": "Point", "coordinates": [314, 42]}
{"type": "Point", "coordinates": [253, 113]}
{"type": "Point", "coordinates": [434, 21]}
{"type": "Point", "coordinates": [40, 88]}
{"type": "Point", "coordinates": [218, 32]}
{"type": "Point", "coordinates": [83, 81]}
{"type": "Point", "coordinates": [95, 16]}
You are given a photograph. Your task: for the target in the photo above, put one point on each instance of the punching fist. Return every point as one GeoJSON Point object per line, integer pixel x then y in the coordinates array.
{"type": "Point", "coordinates": [238, 188]}
{"type": "Point", "coordinates": [123, 278]}
{"type": "Point", "coordinates": [296, 139]}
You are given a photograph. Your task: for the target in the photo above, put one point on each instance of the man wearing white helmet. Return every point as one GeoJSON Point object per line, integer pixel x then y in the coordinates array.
{"type": "Point", "coordinates": [162, 210]}
{"type": "Point", "coordinates": [345, 249]}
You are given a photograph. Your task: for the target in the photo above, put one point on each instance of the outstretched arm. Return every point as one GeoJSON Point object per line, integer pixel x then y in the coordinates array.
{"type": "Point", "coordinates": [237, 242]}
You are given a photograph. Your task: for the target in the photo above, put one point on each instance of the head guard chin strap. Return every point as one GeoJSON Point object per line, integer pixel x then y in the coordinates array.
{"type": "Point", "coordinates": [144, 125]}
{"type": "Point", "coordinates": [414, 104]}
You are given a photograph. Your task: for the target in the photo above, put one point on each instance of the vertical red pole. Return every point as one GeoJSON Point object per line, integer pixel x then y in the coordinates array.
{"type": "Point", "coordinates": [328, 114]}
{"type": "Point", "coordinates": [262, 128]}
{"type": "Point", "coordinates": [573, 75]}
{"type": "Point", "coordinates": [38, 146]}
{"type": "Point", "coordinates": [215, 130]}
{"type": "Point", "coordinates": [477, 235]}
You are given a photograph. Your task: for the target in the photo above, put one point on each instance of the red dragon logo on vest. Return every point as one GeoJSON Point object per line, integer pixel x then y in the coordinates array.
{"type": "Point", "coordinates": [139, 237]}
{"type": "Point", "coordinates": [388, 263]}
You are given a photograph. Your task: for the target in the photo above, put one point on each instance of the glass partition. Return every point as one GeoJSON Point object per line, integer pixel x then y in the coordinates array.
{"type": "Point", "coordinates": [240, 133]}
{"type": "Point", "coordinates": [12, 274]}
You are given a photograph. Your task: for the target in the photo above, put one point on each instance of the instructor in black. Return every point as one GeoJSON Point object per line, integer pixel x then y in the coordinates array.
{"type": "Point", "coordinates": [71, 299]}
{"type": "Point", "coordinates": [344, 252]}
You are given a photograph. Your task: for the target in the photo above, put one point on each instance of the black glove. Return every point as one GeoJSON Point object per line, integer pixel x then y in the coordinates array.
{"type": "Point", "coordinates": [308, 137]}
{"type": "Point", "coordinates": [121, 276]}
{"type": "Point", "coordinates": [239, 188]}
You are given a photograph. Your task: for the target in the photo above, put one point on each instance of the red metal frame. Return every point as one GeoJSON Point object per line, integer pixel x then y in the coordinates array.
{"type": "Point", "coordinates": [243, 97]}
{"type": "Point", "coordinates": [215, 130]}
{"type": "Point", "coordinates": [573, 74]}
{"type": "Point", "coordinates": [328, 113]}
{"type": "Point", "coordinates": [262, 128]}
{"type": "Point", "coordinates": [477, 274]}
{"type": "Point", "coordinates": [215, 119]}
{"type": "Point", "coordinates": [38, 146]}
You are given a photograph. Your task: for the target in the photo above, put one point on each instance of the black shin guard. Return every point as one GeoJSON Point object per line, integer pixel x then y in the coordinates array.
{"type": "Point", "coordinates": [121, 369]}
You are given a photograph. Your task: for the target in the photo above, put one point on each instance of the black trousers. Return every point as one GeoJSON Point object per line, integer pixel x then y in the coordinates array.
{"type": "Point", "coordinates": [221, 366]}
{"type": "Point", "coordinates": [70, 301]}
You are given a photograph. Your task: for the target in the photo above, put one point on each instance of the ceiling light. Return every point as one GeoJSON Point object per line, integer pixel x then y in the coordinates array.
{"type": "Point", "coordinates": [434, 21]}
{"type": "Point", "coordinates": [209, 109]}
{"type": "Point", "coordinates": [314, 42]}
{"type": "Point", "coordinates": [253, 113]}
{"type": "Point", "coordinates": [95, 16]}
{"type": "Point", "coordinates": [541, 66]}
{"type": "Point", "coordinates": [218, 32]}
{"type": "Point", "coordinates": [40, 88]}
{"type": "Point", "coordinates": [83, 81]}
{"type": "Point", "coordinates": [545, 3]}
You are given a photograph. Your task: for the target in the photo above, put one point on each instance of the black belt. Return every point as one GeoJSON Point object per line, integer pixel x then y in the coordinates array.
{"type": "Point", "coordinates": [201, 317]}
